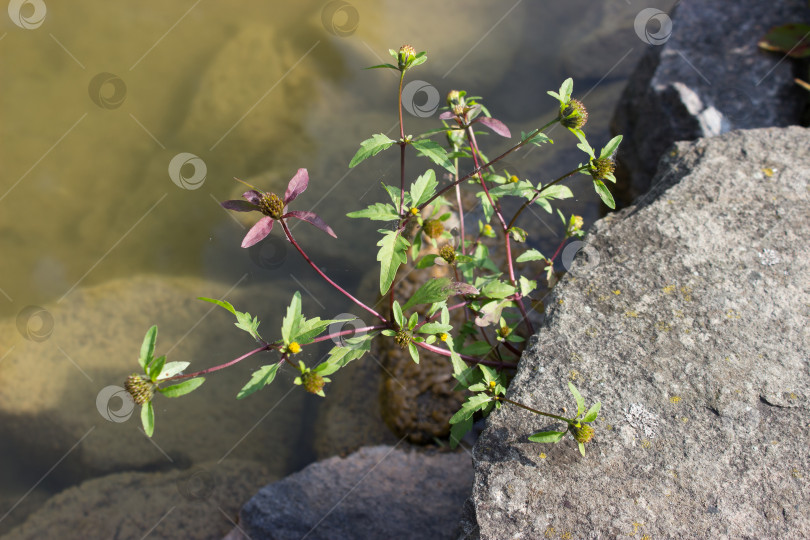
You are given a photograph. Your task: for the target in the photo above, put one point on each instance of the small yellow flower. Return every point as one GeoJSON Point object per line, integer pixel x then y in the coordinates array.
{"type": "Point", "coordinates": [443, 336]}
{"type": "Point", "coordinates": [492, 384]}
{"type": "Point", "coordinates": [487, 229]}
{"type": "Point", "coordinates": [294, 347]}
{"type": "Point", "coordinates": [513, 179]}
{"type": "Point", "coordinates": [414, 211]}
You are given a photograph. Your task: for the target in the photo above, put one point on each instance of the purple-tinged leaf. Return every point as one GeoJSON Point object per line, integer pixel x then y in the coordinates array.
{"type": "Point", "coordinates": [496, 125]}
{"type": "Point", "coordinates": [257, 233]}
{"type": "Point", "coordinates": [252, 196]}
{"type": "Point", "coordinates": [447, 115]}
{"type": "Point", "coordinates": [239, 206]}
{"type": "Point", "coordinates": [297, 185]}
{"type": "Point", "coordinates": [313, 218]}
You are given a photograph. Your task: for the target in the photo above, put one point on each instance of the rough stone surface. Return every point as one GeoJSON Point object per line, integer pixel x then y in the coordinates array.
{"type": "Point", "coordinates": [687, 318]}
{"type": "Point", "coordinates": [197, 503]}
{"type": "Point", "coordinates": [377, 492]}
{"type": "Point", "coordinates": [708, 77]}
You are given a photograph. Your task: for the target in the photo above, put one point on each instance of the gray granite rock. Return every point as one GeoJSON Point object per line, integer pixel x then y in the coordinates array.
{"type": "Point", "coordinates": [686, 316]}
{"type": "Point", "coordinates": [377, 492]}
{"type": "Point", "coordinates": [199, 503]}
{"type": "Point", "coordinates": [705, 78]}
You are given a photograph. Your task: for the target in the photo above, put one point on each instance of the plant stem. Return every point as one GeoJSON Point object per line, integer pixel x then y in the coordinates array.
{"type": "Point", "coordinates": [325, 277]}
{"type": "Point", "coordinates": [535, 411]}
{"type": "Point", "coordinates": [354, 331]}
{"type": "Point", "coordinates": [469, 359]}
{"type": "Point", "coordinates": [541, 190]}
{"type": "Point", "coordinates": [221, 366]}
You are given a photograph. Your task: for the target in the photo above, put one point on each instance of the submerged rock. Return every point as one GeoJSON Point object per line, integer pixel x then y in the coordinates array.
{"type": "Point", "coordinates": [688, 321]}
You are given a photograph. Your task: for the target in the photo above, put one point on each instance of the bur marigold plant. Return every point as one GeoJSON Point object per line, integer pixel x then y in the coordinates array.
{"type": "Point", "coordinates": [494, 294]}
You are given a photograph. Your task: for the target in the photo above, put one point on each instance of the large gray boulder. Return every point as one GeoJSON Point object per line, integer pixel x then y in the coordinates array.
{"type": "Point", "coordinates": [686, 316]}
{"type": "Point", "coordinates": [377, 492]}
{"type": "Point", "coordinates": [705, 78]}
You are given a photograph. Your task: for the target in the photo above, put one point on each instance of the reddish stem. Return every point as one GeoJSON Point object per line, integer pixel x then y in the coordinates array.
{"type": "Point", "coordinates": [221, 366]}
{"type": "Point", "coordinates": [470, 359]}
{"type": "Point", "coordinates": [352, 331]}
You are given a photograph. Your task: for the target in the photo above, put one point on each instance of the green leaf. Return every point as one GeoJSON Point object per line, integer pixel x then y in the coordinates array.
{"type": "Point", "coordinates": [393, 193]}
{"type": "Point", "coordinates": [435, 153]}
{"type": "Point", "coordinates": [155, 367]}
{"type": "Point", "coordinates": [308, 329]}
{"type": "Point", "coordinates": [414, 352]}
{"type": "Point", "coordinates": [377, 212]}
{"type": "Point", "coordinates": [530, 255]}
{"type": "Point", "coordinates": [458, 430]}
{"type": "Point", "coordinates": [356, 347]}
{"type": "Point", "coordinates": [593, 412]}
{"type": "Point", "coordinates": [556, 192]}
{"type": "Point", "coordinates": [498, 289]}
{"type": "Point", "coordinates": [148, 347]}
{"type": "Point", "coordinates": [538, 139]}
{"type": "Point", "coordinates": [289, 326]}
{"type": "Point", "coordinates": [426, 261]}
{"type": "Point", "coordinates": [792, 39]}
{"type": "Point", "coordinates": [604, 194]}
{"type": "Point", "coordinates": [435, 290]}
{"type": "Point", "coordinates": [435, 328]}
{"type": "Point", "coordinates": [413, 320]}
{"type": "Point", "coordinates": [371, 147]}
{"type": "Point", "coordinates": [473, 403]}
{"type": "Point", "coordinates": [424, 188]}
{"type": "Point", "coordinates": [582, 449]}
{"type": "Point", "coordinates": [490, 313]}
{"type": "Point", "coordinates": [566, 88]}
{"type": "Point", "coordinates": [392, 254]}
{"type": "Point", "coordinates": [547, 436]}
{"type": "Point", "coordinates": [578, 397]}
{"type": "Point", "coordinates": [526, 285]}
{"type": "Point", "coordinates": [148, 418]}
{"type": "Point", "coordinates": [182, 388]}
{"type": "Point", "coordinates": [477, 348]}
{"type": "Point", "coordinates": [221, 303]}
{"type": "Point", "coordinates": [172, 368]}
{"type": "Point", "coordinates": [583, 142]}
{"type": "Point", "coordinates": [260, 378]}
{"type": "Point", "coordinates": [395, 68]}
{"type": "Point", "coordinates": [398, 317]}
{"type": "Point", "coordinates": [611, 147]}
{"type": "Point", "coordinates": [248, 324]}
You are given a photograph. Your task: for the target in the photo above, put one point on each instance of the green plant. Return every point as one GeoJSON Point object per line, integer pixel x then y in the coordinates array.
{"type": "Point", "coordinates": [792, 40]}
{"type": "Point", "coordinates": [491, 295]}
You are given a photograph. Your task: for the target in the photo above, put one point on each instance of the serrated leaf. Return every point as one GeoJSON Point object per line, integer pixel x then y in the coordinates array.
{"type": "Point", "coordinates": [435, 290]}
{"type": "Point", "coordinates": [468, 408]}
{"type": "Point", "coordinates": [434, 151]}
{"type": "Point", "coordinates": [593, 412]}
{"type": "Point", "coordinates": [355, 347]}
{"type": "Point", "coordinates": [611, 147]}
{"type": "Point", "coordinates": [148, 418]}
{"type": "Point", "coordinates": [547, 436]}
{"type": "Point", "coordinates": [497, 289]}
{"type": "Point", "coordinates": [526, 285]}
{"type": "Point", "coordinates": [371, 147]}
{"type": "Point", "coordinates": [248, 324]}
{"type": "Point", "coordinates": [182, 388]}
{"type": "Point", "coordinates": [148, 347]}
{"type": "Point", "coordinates": [308, 329]}
{"type": "Point", "coordinates": [537, 139]}
{"type": "Point", "coordinates": [172, 368]}
{"type": "Point", "coordinates": [490, 313]}
{"type": "Point", "coordinates": [289, 325]}
{"type": "Point", "coordinates": [530, 255]}
{"type": "Point", "coordinates": [392, 254]}
{"type": "Point", "coordinates": [604, 194]}
{"type": "Point", "coordinates": [377, 212]}
{"type": "Point", "coordinates": [393, 193]}
{"type": "Point", "coordinates": [260, 378]}
{"type": "Point", "coordinates": [578, 397]}
{"type": "Point", "coordinates": [424, 188]}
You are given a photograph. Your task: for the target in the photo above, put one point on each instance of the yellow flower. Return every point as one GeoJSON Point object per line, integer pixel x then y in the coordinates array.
{"type": "Point", "coordinates": [294, 347]}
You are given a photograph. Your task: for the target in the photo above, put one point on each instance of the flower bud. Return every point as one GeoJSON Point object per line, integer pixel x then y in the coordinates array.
{"type": "Point", "coordinates": [403, 339]}
{"type": "Point", "coordinates": [602, 167]}
{"type": "Point", "coordinates": [454, 97]}
{"type": "Point", "coordinates": [271, 205]}
{"type": "Point", "coordinates": [312, 382]}
{"type": "Point", "coordinates": [574, 225]}
{"type": "Point", "coordinates": [139, 388]}
{"type": "Point", "coordinates": [405, 56]}
{"type": "Point", "coordinates": [448, 254]}
{"type": "Point", "coordinates": [433, 228]}
{"type": "Point", "coordinates": [574, 115]}
{"type": "Point", "coordinates": [581, 432]}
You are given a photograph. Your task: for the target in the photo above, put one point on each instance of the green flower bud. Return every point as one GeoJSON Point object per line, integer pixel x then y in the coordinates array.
{"type": "Point", "coordinates": [582, 432]}
{"type": "Point", "coordinates": [312, 382]}
{"type": "Point", "coordinates": [454, 97]}
{"type": "Point", "coordinates": [602, 167]}
{"type": "Point", "coordinates": [140, 388]}
{"type": "Point", "coordinates": [403, 339]}
{"type": "Point", "coordinates": [271, 205]}
{"type": "Point", "coordinates": [405, 56]}
{"type": "Point", "coordinates": [574, 115]}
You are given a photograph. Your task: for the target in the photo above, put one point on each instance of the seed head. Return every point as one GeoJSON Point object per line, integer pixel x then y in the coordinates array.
{"type": "Point", "coordinates": [581, 432]}
{"type": "Point", "coordinates": [433, 228]}
{"type": "Point", "coordinates": [402, 338]}
{"type": "Point", "coordinates": [602, 167]}
{"type": "Point", "coordinates": [312, 382]}
{"type": "Point", "coordinates": [271, 205]}
{"type": "Point", "coordinates": [139, 388]}
{"type": "Point", "coordinates": [574, 115]}
{"type": "Point", "coordinates": [448, 254]}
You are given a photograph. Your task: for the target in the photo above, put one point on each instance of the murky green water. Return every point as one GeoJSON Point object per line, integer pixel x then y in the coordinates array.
{"type": "Point", "coordinates": [98, 99]}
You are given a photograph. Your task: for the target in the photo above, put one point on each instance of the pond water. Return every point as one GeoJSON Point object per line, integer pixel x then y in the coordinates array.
{"type": "Point", "coordinates": [123, 126]}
